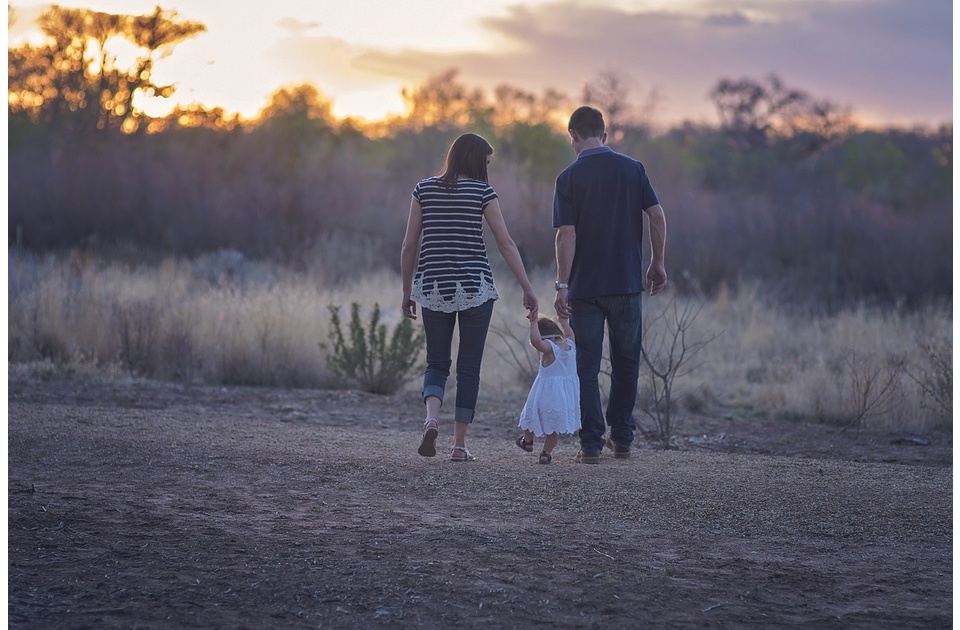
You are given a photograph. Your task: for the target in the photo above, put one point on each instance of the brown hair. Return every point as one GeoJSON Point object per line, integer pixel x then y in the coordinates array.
{"type": "Point", "coordinates": [548, 327]}
{"type": "Point", "coordinates": [587, 122]}
{"type": "Point", "coordinates": [467, 157]}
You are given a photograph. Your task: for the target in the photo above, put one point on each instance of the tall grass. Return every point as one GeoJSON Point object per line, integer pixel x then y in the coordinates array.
{"type": "Point", "coordinates": [225, 320]}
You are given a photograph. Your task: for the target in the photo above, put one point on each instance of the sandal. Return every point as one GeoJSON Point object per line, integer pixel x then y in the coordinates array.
{"type": "Point", "coordinates": [527, 446]}
{"type": "Point", "coordinates": [545, 457]}
{"type": "Point", "coordinates": [428, 444]}
{"type": "Point", "coordinates": [465, 457]}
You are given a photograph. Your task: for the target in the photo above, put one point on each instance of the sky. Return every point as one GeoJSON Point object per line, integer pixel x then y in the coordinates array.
{"type": "Point", "coordinates": [889, 61]}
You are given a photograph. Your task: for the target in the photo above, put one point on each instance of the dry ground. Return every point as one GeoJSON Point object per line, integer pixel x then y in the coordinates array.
{"type": "Point", "coordinates": [143, 505]}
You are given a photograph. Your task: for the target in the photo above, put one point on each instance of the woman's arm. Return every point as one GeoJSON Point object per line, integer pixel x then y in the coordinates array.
{"type": "Point", "coordinates": [511, 255]}
{"type": "Point", "coordinates": [408, 257]}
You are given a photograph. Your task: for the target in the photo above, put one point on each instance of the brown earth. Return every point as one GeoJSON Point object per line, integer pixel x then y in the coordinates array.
{"type": "Point", "coordinates": [144, 505]}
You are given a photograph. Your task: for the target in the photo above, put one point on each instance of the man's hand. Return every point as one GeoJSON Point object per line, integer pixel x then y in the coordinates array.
{"type": "Point", "coordinates": [561, 304]}
{"type": "Point", "coordinates": [656, 278]}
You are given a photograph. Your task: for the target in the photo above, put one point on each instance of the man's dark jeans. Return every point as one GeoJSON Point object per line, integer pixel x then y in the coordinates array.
{"type": "Point", "coordinates": [621, 314]}
{"type": "Point", "coordinates": [438, 329]}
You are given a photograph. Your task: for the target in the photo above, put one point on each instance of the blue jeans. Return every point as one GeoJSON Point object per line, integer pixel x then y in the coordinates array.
{"type": "Point", "coordinates": [438, 329]}
{"type": "Point", "coordinates": [622, 314]}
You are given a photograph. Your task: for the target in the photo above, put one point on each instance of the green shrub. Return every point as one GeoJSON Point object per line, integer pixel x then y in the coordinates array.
{"type": "Point", "coordinates": [365, 358]}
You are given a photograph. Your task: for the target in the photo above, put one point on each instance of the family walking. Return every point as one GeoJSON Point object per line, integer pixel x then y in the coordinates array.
{"type": "Point", "coordinates": [599, 203]}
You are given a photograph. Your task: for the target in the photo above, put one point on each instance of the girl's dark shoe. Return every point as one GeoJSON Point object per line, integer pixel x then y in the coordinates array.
{"type": "Point", "coordinates": [527, 446]}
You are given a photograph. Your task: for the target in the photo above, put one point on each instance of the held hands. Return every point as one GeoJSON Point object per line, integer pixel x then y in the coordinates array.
{"type": "Point", "coordinates": [530, 303]}
{"type": "Point", "coordinates": [561, 304]}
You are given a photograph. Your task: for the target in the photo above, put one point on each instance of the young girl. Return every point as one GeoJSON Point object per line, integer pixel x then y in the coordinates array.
{"type": "Point", "coordinates": [553, 405]}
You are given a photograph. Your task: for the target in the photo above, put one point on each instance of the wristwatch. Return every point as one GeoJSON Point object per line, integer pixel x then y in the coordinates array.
{"type": "Point", "coordinates": [560, 285]}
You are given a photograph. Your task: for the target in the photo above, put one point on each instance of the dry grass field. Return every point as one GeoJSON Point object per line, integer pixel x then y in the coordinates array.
{"type": "Point", "coordinates": [225, 320]}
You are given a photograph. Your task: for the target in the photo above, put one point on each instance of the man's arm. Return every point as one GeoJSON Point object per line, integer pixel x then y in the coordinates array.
{"type": "Point", "coordinates": [566, 244]}
{"type": "Point", "coordinates": [657, 272]}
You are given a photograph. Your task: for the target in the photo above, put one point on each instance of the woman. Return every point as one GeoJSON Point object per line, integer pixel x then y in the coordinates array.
{"type": "Point", "coordinates": [452, 280]}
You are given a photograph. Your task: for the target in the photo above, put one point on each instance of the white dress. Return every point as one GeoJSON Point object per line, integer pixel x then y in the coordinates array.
{"type": "Point", "coordinates": [553, 405]}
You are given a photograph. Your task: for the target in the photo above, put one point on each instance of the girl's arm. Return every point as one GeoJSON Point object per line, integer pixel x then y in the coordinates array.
{"type": "Point", "coordinates": [536, 340]}
{"type": "Point", "coordinates": [565, 327]}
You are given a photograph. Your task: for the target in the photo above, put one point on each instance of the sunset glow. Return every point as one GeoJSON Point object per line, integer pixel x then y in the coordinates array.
{"type": "Point", "coordinates": [369, 105]}
{"type": "Point", "coordinates": [361, 54]}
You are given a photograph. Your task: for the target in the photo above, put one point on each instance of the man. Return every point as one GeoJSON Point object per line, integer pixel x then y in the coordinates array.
{"type": "Point", "coordinates": [598, 209]}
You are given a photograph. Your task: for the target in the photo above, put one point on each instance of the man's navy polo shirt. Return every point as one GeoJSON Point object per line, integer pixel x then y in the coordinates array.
{"type": "Point", "coordinates": [603, 195]}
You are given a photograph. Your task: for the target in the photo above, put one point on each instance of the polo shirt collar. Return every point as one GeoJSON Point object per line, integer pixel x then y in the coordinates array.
{"type": "Point", "coordinates": [594, 151]}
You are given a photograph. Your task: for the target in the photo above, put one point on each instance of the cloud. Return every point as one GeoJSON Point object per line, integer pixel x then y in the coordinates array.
{"type": "Point", "coordinates": [887, 59]}
{"type": "Point", "coordinates": [296, 27]}
{"type": "Point", "coordinates": [326, 61]}
{"type": "Point", "coordinates": [733, 19]}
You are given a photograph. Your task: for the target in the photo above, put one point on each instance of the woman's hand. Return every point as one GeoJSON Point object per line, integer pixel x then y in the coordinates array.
{"type": "Point", "coordinates": [409, 307]}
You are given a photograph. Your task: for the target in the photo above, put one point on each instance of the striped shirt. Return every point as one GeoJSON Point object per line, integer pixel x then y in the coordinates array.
{"type": "Point", "coordinates": [453, 271]}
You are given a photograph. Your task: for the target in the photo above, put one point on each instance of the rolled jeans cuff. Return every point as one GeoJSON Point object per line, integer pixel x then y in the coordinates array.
{"type": "Point", "coordinates": [462, 414]}
{"type": "Point", "coordinates": [432, 390]}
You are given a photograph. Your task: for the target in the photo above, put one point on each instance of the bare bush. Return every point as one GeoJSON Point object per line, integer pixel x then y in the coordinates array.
{"type": "Point", "coordinates": [869, 388]}
{"type": "Point", "coordinates": [668, 352]}
{"type": "Point", "coordinates": [137, 327]}
{"type": "Point", "coordinates": [935, 378]}
{"type": "Point", "coordinates": [179, 352]}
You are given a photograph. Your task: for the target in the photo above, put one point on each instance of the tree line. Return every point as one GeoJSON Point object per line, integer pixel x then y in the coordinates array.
{"type": "Point", "coordinates": [785, 189]}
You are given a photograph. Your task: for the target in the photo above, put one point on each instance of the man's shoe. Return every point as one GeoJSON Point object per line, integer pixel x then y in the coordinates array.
{"type": "Point", "coordinates": [587, 457]}
{"type": "Point", "coordinates": [620, 452]}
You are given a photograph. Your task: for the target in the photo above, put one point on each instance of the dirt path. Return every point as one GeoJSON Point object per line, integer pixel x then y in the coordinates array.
{"type": "Point", "coordinates": [144, 506]}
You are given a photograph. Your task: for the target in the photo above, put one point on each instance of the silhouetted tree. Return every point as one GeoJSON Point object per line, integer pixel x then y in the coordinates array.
{"type": "Point", "coordinates": [610, 92]}
{"type": "Point", "coordinates": [444, 103]}
{"type": "Point", "coordinates": [73, 81]}
{"type": "Point", "coordinates": [753, 114]}
{"type": "Point", "coordinates": [195, 117]}
{"type": "Point", "coordinates": [516, 105]}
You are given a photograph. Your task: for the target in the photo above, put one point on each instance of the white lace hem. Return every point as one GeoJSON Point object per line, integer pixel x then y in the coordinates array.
{"type": "Point", "coordinates": [460, 301]}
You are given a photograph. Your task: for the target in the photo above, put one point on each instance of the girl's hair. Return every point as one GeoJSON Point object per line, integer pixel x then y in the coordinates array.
{"type": "Point", "coordinates": [548, 327]}
{"type": "Point", "coordinates": [467, 157]}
